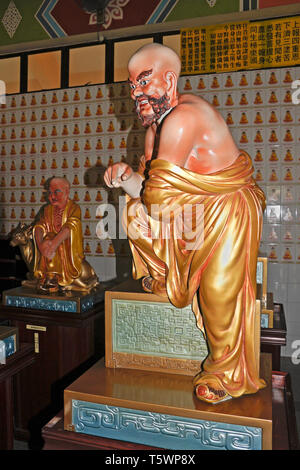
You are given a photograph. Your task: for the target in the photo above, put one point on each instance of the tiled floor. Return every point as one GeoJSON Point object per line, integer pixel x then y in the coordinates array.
{"type": "Point", "coordinates": [286, 366]}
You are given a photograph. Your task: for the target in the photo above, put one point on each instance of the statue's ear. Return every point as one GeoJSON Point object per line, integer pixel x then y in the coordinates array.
{"type": "Point", "coordinates": [171, 80]}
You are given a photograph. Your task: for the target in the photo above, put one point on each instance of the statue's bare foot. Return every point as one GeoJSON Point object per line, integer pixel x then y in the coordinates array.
{"type": "Point", "coordinates": [211, 392]}
{"type": "Point", "coordinates": [147, 284]}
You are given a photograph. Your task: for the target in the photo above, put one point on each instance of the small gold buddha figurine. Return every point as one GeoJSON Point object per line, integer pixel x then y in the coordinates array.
{"type": "Point", "coordinates": [32, 197]}
{"type": "Point", "coordinates": [13, 214]}
{"type": "Point", "coordinates": [76, 146]}
{"type": "Point", "coordinates": [123, 108]}
{"type": "Point", "coordinates": [54, 114]}
{"type": "Point", "coordinates": [44, 115]}
{"type": "Point", "coordinates": [87, 94]}
{"type": "Point", "coordinates": [65, 147]}
{"type": "Point", "coordinates": [273, 136]}
{"type": "Point", "coordinates": [65, 114]}
{"type": "Point", "coordinates": [99, 197]}
{"type": "Point", "coordinates": [111, 127]}
{"type": "Point", "coordinates": [201, 84]}
{"type": "Point", "coordinates": [87, 145]}
{"type": "Point", "coordinates": [123, 143]}
{"type": "Point", "coordinates": [288, 117]}
{"type": "Point", "coordinates": [258, 98]}
{"type": "Point", "coordinates": [273, 98]}
{"type": "Point", "coordinates": [13, 102]}
{"type": "Point", "coordinates": [23, 181]}
{"type": "Point", "coordinates": [273, 156]}
{"type": "Point", "coordinates": [3, 166]}
{"type": "Point", "coordinates": [33, 181]}
{"type": "Point", "coordinates": [65, 97]}
{"type": "Point", "coordinates": [273, 80]}
{"type": "Point", "coordinates": [243, 80]}
{"type": "Point", "coordinates": [99, 250]}
{"type": "Point", "coordinates": [99, 111]}
{"type": "Point", "coordinates": [111, 250]}
{"type": "Point", "coordinates": [258, 176]}
{"type": "Point", "coordinates": [272, 254]}
{"type": "Point", "coordinates": [87, 248]}
{"type": "Point", "coordinates": [87, 111]}
{"type": "Point", "coordinates": [64, 164]}
{"type": "Point", "coordinates": [76, 96]}
{"type": "Point", "coordinates": [33, 117]}
{"type": "Point", "coordinates": [13, 119]}
{"type": "Point", "coordinates": [187, 85]}
{"type": "Point", "coordinates": [258, 79]}
{"type": "Point", "coordinates": [87, 163]}
{"type": "Point", "coordinates": [258, 137]}
{"type": "Point", "coordinates": [13, 166]}
{"type": "Point", "coordinates": [23, 101]}
{"type": "Point", "coordinates": [99, 93]}
{"type": "Point", "coordinates": [44, 99]}
{"type": "Point", "coordinates": [53, 164]}
{"type": "Point", "coordinates": [258, 118]}
{"type": "Point", "coordinates": [273, 176]}
{"type": "Point", "coordinates": [3, 151]}
{"type": "Point", "coordinates": [244, 119]}
{"type": "Point", "coordinates": [87, 232]}
{"type": "Point", "coordinates": [87, 129]}
{"type": "Point", "coordinates": [229, 101]}
{"type": "Point", "coordinates": [65, 130]}
{"type": "Point", "coordinates": [110, 161]}
{"type": "Point", "coordinates": [87, 214]}
{"type": "Point", "coordinates": [288, 175]}
{"type": "Point", "coordinates": [99, 145]}
{"type": "Point", "coordinates": [54, 98]}
{"type": "Point", "coordinates": [87, 196]}
{"type": "Point", "coordinates": [215, 101]}
{"type": "Point", "coordinates": [288, 97]}
{"type": "Point", "coordinates": [3, 119]}
{"type": "Point", "coordinates": [54, 147]}
{"type": "Point", "coordinates": [13, 134]}
{"type": "Point", "coordinates": [111, 109]}
{"type": "Point", "coordinates": [43, 148]}
{"type": "Point", "coordinates": [32, 213]}
{"type": "Point", "coordinates": [244, 138]}
{"type": "Point", "coordinates": [76, 163]}
{"type": "Point", "coordinates": [273, 117]}
{"type": "Point", "coordinates": [229, 82]}
{"type": "Point", "coordinates": [229, 119]}
{"type": "Point", "coordinates": [287, 254]}
{"type": "Point", "coordinates": [111, 144]}
{"type": "Point", "coordinates": [12, 197]}
{"type": "Point", "coordinates": [76, 113]}
{"type": "Point", "coordinates": [23, 165]}
{"type": "Point", "coordinates": [215, 83]}
{"type": "Point", "coordinates": [43, 132]}
{"type": "Point", "coordinates": [288, 156]}
{"type": "Point", "coordinates": [76, 180]}
{"type": "Point", "coordinates": [76, 196]}
{"type": "Point", "coordinates": [243, 100]}
{"type": "Point", "coordinates": [99, 161]}
{"type": "Point", "coordinates": [99, 127]}
{"type": "Point", "coordinates": [288, 77]}
{"type": "Point", "coordinates": [288, 136]}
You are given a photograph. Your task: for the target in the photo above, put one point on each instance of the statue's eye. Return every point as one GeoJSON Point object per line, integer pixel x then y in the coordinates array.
{"type": "Point", "coordinates": [143, 82]}
{"type": "Point", "coordinates": [132, 86]}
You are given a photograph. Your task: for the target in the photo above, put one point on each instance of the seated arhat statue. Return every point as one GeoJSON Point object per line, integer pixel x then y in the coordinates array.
{"type": "Point", "coordinates": [53, 245]}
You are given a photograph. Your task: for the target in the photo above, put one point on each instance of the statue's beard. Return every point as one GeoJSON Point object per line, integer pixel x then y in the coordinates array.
{"type": "Point", "coordinates": [159, 107]}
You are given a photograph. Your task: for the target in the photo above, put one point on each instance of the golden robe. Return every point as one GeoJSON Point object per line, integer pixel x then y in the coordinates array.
{"type": "Point", "coordinates": [218, 274]}
{"type": "Point", "coordinates": [67, 261]}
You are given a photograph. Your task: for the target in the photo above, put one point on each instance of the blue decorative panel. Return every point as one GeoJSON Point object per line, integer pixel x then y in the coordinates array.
{"type": "Point", "coordinates": [161, 430]}
{"type": "Point", "coordinates": [10, 345]}
{"type": "Point", "coordinates": [156, 329]}
{"type": "Point", "coordinates": [41, 303]}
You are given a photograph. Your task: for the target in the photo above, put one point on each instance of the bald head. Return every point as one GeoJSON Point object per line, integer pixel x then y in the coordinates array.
{"type": "Point", "coordinates": [58, 192]}
{"type": "Point", "coordinates": [156, 56]}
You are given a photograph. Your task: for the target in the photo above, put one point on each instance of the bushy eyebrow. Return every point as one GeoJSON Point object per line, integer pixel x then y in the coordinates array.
{"type": "Point", "coordinates": [144, 74]}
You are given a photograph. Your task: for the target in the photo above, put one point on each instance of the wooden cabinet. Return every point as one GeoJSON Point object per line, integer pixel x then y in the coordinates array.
{"type": "Point", "coordinates": [66, 344]}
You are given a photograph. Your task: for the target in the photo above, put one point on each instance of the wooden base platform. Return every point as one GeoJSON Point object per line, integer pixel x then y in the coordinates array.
{"type": "Point", "coordinates": [284, 433]}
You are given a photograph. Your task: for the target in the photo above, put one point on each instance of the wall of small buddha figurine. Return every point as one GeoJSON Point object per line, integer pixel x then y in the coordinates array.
{"type": "Point", "coordinates": [77, 132]}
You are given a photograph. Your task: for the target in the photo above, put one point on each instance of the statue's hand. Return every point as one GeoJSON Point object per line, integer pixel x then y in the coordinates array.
{"type": "Point", "coordinates": [116, 174]}
{"type": "Point", "coordinates": [48, 248]}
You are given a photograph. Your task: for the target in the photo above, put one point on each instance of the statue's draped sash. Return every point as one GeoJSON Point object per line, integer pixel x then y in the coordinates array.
{"type": "Point", "coordinates": [208, 259]}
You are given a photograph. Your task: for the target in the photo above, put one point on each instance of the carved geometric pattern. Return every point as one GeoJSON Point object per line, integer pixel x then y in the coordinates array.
{"type": "Point", "coordinates": [11, 19]}
{"type": "Point", "coordinates": [156, 329]}
{"type": "Point", "coordinates": [162, 430]}
{"type": "Point", "coordinates": [41, 304]}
